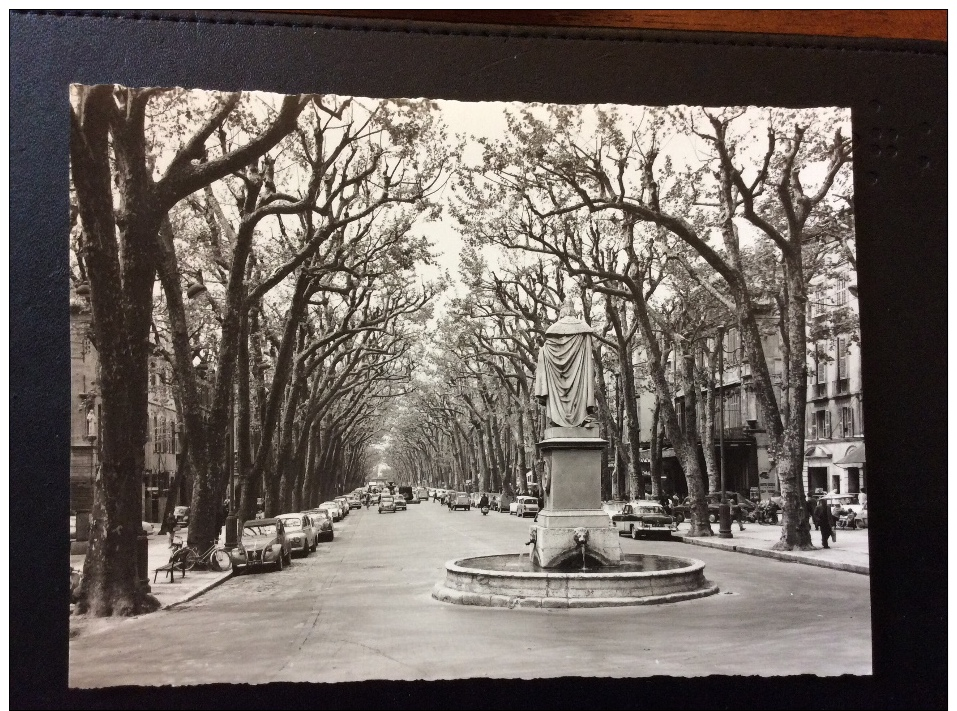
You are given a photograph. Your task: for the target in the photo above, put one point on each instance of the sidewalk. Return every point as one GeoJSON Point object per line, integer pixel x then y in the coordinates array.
{"type": "Point", "coordinates": [850, 552]}
{"type": "Point", "coordinates": [182, 588]}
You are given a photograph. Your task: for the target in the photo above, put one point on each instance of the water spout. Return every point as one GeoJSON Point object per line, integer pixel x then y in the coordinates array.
{"type": "Point", "coordinates": [532, 540]}
{"type": "Point", "coordinates": [581, 540]}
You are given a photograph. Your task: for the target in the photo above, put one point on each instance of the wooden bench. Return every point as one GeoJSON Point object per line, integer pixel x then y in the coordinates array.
{"type": "Point", "coordinates": [170, 568]}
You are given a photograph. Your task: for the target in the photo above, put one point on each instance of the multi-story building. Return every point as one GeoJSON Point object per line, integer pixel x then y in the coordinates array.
{"type": "Point", "coordinates": [84, 414]}
{"type": "Point", "coordinates": [834, 444]}
{"type": "Point", "coordinates": [162, 445]}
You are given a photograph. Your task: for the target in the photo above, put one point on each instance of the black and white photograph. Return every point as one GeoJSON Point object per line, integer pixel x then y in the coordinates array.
{"type": "Point", "coordinates": [386, 363]}
{"type": "Point", "coordinates": [409, 389]}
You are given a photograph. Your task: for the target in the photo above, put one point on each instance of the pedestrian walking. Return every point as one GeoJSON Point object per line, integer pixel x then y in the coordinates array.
{"type": "Point", "coordinates": [823, 518]}
{"type": "Point", "coordinates": [738, 512]}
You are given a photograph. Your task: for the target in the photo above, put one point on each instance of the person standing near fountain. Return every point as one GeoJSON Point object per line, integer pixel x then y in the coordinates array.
{"type": "Point", "coordinates": [565, 385]}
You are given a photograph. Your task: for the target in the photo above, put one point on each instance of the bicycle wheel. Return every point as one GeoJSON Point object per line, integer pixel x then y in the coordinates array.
{"type": "Point", "coordinates": [189, 558]}
{"type": "Point", "coordinates": [220, 561]}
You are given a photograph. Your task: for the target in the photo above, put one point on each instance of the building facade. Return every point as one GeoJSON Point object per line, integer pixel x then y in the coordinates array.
{"type": "Point", "coordinates": [834, 457]}
{"type": "Point", "coordinates": [834, 441]}
{"type": "Point", "coordinates": [162, 446]}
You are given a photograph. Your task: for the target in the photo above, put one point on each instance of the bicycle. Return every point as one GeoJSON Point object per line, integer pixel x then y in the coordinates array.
{"type": "Point", "coordinates": [215, 558]}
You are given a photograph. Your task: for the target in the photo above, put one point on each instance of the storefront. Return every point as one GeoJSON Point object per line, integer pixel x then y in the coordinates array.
{"type": "Point", "coordinates": [835, 466]}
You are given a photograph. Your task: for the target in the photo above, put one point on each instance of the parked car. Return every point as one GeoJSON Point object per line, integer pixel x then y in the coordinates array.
{"type": "Point", "coordinates": [459, 500]}
{"type": "Point", "coordinates": [343, 504]}
{"type": "Point", "coordinates": [333, 508]}
{"type": "Point", "coordinates": [322, 524]}
{"type": "Point", "coordinates": [525, 506]}
{"type": "Point", "coordinates": [386, 503]}
{"type": "Point", "coordinates": [422, 494]}
{"type": "Point", "coordinates": [513, 507]}
{"type": "Point", "coordinates": [262, 542]}
{"type": "Point", "coordinates": [612, 508]}
{"type": "Point", "coordinates": [300, 532]}
{"type": "Point", "coordinates": [641, 518]}
{"type": "Point", "coordinates": [181, 515]}
{"type": "Point", "coordinates": [355, 502]}
{"type": "Point", "coordinates": [682, 512]}
{"type": "Point", "coordinates": [400, 503]}
{"type": "Point", "coordinates": [505, 504]}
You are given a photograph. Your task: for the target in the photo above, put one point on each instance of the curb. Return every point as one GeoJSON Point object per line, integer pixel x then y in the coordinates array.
{"type": "Point", "coordinates": [778, 555]}
{"type": "Point", "coordinates": [196, 593]}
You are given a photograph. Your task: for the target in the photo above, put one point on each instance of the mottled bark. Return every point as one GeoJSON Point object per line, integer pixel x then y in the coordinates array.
{"type": "Point", "coordinates": [121, 273]}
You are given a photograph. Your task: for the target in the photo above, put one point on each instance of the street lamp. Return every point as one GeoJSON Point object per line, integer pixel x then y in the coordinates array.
{"type": "Point", "coordinates": [724, 511]}
{"type": "Point", "coordinates": [232, 530]}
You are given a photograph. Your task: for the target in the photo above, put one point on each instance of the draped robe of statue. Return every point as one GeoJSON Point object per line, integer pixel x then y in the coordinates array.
{"type": "Point", "coordinates": [565, 375]}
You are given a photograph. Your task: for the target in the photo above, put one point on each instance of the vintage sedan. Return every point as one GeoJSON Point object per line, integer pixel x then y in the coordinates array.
{"type": "Point", "coordinates": [526, 506]}
{"type": "Point", "coordinates": [459, 500]}
{"type": "Point", "coordinates": [355, 502]}
{"type": "Point", "coordinates": [322, 524]}
{"type": "Point", "coordinates": [343, 504]}
{"type": "Point", "coordinates": [387, 503]}
{"type": "Point", "coordinates": [299, 531]}
{"type": "Point", "coordinates": [400, 503]}
{"type": "Point", "coordinates": [642, 518]}
{"type": "Point", "coordinates": [262, 542]}
{"type": "Point", "coordinates": [612, 507]}
{"type": "Point", "coordinates": [333, 508]}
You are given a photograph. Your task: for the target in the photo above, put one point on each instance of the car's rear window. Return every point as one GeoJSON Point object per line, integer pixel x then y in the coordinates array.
{"type": "Point", "coordinates": [292, 522]}
{"type": "Point", "coordinates": [268, 529]}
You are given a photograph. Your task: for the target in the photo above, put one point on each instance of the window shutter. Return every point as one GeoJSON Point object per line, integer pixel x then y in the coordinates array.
{"type": "Point", "coordinates": [812, 426]}
{"type": "Point", "coordinates": [826, 434]}
{"type": "Point", "coordinates": [821, 368]}
{"type": "Point", "coordinates": [841, 358]}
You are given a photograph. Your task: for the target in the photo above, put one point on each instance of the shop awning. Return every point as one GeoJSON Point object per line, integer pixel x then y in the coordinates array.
{"type": "Point", "coordinates": [854, 457]}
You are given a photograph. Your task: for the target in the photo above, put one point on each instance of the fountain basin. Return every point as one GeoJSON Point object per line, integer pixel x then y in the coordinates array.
{"type": "Point", "coordinates": [515, 581]}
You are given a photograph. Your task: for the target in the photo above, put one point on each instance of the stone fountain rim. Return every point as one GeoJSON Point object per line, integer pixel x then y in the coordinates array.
{"type": "Point", "coordinates": [694, 565]}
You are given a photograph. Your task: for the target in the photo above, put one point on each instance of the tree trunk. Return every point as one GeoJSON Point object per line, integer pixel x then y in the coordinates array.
{"type": "Point", "coordinates": [795, 527]}
{"type": "Point", "coordinates": [686, 452]}
{"type": "Point", "coordinates": [121, 285]}
{"type": "Point", "coordinates": [655, 444]}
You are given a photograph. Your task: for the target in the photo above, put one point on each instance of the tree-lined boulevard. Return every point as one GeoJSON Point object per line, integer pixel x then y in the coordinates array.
{"type": "Point", "coordinates": [360, 608]}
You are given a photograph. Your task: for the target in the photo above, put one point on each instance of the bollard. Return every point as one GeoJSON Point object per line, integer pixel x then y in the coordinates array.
{"type": "Point", "coordinates": [232, 532]}
{"type": "Point", "coordinates": [724, 521]}
{"type": "Point", "coordinates": [142, 561]}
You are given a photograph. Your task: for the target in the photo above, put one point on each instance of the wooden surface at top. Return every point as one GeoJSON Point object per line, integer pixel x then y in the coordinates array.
{"type": "Point", "coordinates": [899, 24]}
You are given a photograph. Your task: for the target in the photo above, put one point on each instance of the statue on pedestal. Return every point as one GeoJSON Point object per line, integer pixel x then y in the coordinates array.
{"type": "Point", "coordinates": [565, 375]}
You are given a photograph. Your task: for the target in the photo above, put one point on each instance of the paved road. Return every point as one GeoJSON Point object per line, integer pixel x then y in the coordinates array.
{"type": "Point", "coordinates": [360, 608]}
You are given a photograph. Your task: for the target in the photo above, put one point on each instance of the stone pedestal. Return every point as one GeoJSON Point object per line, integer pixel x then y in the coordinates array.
{"type": "Point", "coordinates": [573, 501]}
